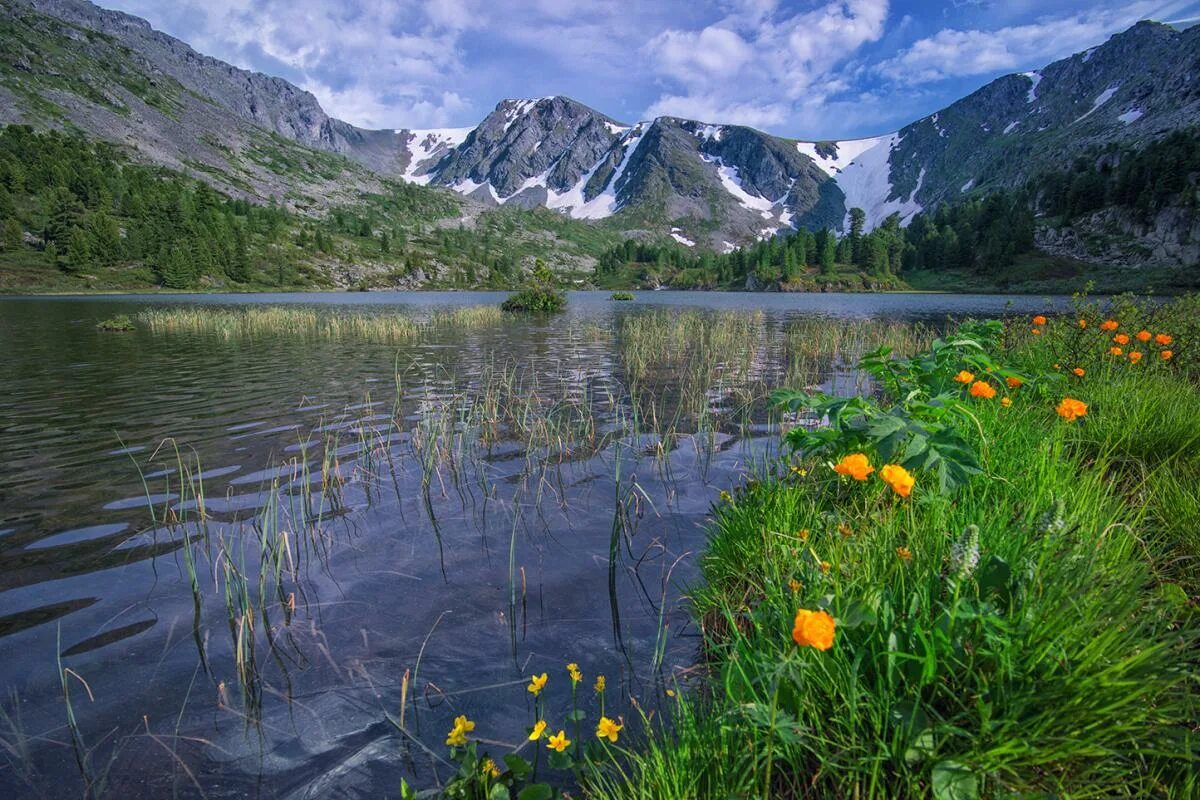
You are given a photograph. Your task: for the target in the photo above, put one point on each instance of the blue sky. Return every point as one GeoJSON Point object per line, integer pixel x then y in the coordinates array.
{"type": "Point", "coordinates": [811, 70]}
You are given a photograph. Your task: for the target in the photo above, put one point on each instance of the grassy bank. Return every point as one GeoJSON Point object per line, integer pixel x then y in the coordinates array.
{"type": "Point", "coordinates": [1029, 630]}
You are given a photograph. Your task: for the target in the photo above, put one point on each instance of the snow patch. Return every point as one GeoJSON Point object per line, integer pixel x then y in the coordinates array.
{"type": "Point", "coordinates": [733, 184]}
{"type": "Point", "coordinates": [867, 184]}
{"type": "Point", "coordinates": [847, 151]}
{"type": "Point", "coordinates": [615, 129]}
{"type": "Point", "coordinates": [518, 109]}
{"type": "Point", "coordinates": [1035, 78]}
{"type": "Point", "coordinates": [1010, 126]}
{"type": "Point", "coordinates": [728, 247]}
{"type": "Point", "coordinates": [1100, 100]}
{"type": "Point", "coordinates": [966, 187]}
{"type": "Point", "coordinates": [713, 132]}
{"type": "Point", "coordinates": [1087, 54]}
{"type": "Point", "coordinates": [677, 235]}
{"type": "Point", "coordinates": [427, 147]}
{"type": "Point", "coordinates": [1132, 115]}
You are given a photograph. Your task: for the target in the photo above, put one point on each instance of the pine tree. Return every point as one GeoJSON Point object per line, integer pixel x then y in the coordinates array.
{"type": "Point", "coordinates": [829, 254]}
{"type": "Point", "coordinates": [858, 220]}
{"type": "Point", "coordinates": [79, 250]}
{"type": "Point", "coordinates": [175, 270]}
{"type": "Point", "coordinates": [385, 245]}
{"type": "Point", "coordinates": [12, 236]}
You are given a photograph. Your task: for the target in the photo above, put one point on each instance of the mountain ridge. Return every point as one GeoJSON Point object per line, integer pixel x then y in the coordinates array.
{"type": "Point", "coordinates": [717, 185]}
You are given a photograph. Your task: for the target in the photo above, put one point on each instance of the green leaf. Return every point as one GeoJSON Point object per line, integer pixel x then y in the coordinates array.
{"type": "Point", "coordinates": [854, 614]}
{"type": "Point", "coordinates": [518, 766]}
{"type": "Point", "coordinates": [406, 792]}
{"type": "Point", "coordinates": [536, 791]}
{"type": "Point", "coordinates": [499, 792]}
{"type": "Point", "coordinates": [954, 781]}
{"type": "Point", "coordinates": [578, 715]}
{"type": "Point", "coordinates": [560, 760]}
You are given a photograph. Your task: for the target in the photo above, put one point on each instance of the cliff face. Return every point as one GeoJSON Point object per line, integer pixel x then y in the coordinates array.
{"type": "Point", "coordinates": [1119, 237]}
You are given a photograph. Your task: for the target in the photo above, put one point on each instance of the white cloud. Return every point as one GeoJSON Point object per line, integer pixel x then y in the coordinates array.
{"type": "Point", "coordinates": [759, 66]}
{"type": "Point", "coordinates": [954, 53]}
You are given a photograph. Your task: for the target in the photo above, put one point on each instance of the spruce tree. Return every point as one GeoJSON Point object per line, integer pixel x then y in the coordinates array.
{"type": "Point", "coordinates": [11, 236]}
{"type": "Point", "coordinates": [79, 251]}
{"type": "Point", "coordinates": [829, 254]}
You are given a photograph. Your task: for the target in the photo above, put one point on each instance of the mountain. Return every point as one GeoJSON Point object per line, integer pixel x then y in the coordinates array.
{"type": "Point", "coordinates": [69, 64]}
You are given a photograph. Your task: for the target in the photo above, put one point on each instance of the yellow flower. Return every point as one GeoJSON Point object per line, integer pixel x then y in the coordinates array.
{"type": "Point", "coordinates": [1013, 382]}
{"type": "Point", "coordinates": [725, 497]}
{"type": "Point", "coordinates": [1163, 339]}
{"type": "Point", "coordinates": [1166, 355]}
{"type": "Point", "coordinates": [900, 479]}
{"type": "Point", "coordinates": [670, 692]}
{"type": "Point", "coordinates": [795, 586]}
{"type": "Point", "coordinates": [1109, 325]}
{"type": "Point", "coordinates": [982, 389]}
{"type": "Point", "coordinates": [813, 629]}
{"type": "Point", "coordinates": [607, 729]}
{"type": "Point", "coordinates": [904, 553]}
{"type": "Point", "coordinates": [1039, 320]}
{"type": "Point", "coordinates": [1079, 373]}
{"type": "Point", "coordinates": [1071, 409]}
{"type": "Point", "coordinates": [1005, 401]}
{"type": "Point", "coordinates": [489, 768]}
{"type": "Point", "coordinates": [803, 534]}
{"type": "Point", "coordinates": [601, 683]}
{"type": "Point", "coordinates": [458, 734]}
{"type": "Point", "coordinates": [845, 530]}
{"type": "Point", "coordinates": [576, 675]}
{"type": "Point", "coordinates": [964, 377]}
{"type": "Point", "coordinates": [539, 728]}
{"type": "Point", "coordinates": [856, 465]}
{"type": "Point", "coordinates": [537, 683]}
{"type": "Point", "coordinates": [1135, 357]}
{"type": "Point", "coordinates": [558, 742]}
{"type": "Point", "coordinates": [1143, 335]}
{"type": "Point", "coordinates": [800, 471]}
{"type": "Point", "coordinates": [826, 566]}
{"type": "Point", "coordinates": [1082, 324]}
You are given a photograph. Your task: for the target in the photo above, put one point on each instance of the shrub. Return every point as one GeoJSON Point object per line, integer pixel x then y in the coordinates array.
{"type": "Point", "coordinates": [621, 296]}
{"type": "Point", "coordinates": [117, 324]}
{"type": "Point", "coordinates": [538, 299]}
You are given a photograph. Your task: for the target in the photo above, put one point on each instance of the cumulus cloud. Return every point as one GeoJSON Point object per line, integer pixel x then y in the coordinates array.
{"type": "Point", "coordinates": [954, 53]}
{"type": "Point", "coordinates": [760, 65]}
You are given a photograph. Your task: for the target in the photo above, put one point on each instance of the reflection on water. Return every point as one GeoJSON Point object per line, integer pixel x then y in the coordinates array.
{"type": "Point", "coordinates": [277, 568]}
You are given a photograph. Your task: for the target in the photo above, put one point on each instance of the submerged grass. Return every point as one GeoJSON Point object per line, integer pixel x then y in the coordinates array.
{"type": "Point", "coordinates": [1032, 635]}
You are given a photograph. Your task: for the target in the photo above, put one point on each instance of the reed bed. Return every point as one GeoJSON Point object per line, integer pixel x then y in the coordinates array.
{"type": "Point", "coordinates": [311, 323]}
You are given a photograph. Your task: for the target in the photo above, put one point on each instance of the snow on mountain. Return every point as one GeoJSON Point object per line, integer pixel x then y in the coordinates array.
{"type": "Point", "coordinates": [1132, 115]}
{"type": "Point", "coordinates": [1100, 100]}
{"type": "Point", "coordinates": [866, 181]}
{"type": "Point", "coordinates": [426, 148]}
{"type": "Point", "coordinates": [843, 156]}
{"type": "Point", "coordinates": [1034, 78]}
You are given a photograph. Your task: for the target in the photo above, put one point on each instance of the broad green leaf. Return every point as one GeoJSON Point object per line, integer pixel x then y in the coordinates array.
{"type": "Point", "coordinates": [954, 781]}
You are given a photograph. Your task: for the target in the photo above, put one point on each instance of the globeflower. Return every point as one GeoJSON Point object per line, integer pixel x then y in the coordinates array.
{"type": "Point", "coordinates": [964, 377]}
{"type": "Point", "coordinates": [1014, 382]}
{"type": "Point", "coordinates": [607, 729]}
{"type": "Point", "coordinates": [1071, 409]}
{"type": "Point", "coordinates": [537, 683]}
{"type": "Point", "coordinates": [1039, 320]}
{"type": "Point", "coordinates": [558, 742]}
{"type": "Point", "coordinates": [900, 479]}
{"type": "Point", "coordinates": [1163, 339]}
{"type": "Point", "coordinates": [1036, 331]}
{"type": "Point", "coordinates": [1121, 338]}
{"type": "Point", "coordinates": [1109, 325]}
{"type": "Point", "coordinates": [1082, 324]}
{"type": "Point", "coordinates": [813, 629]}
{"type": "Point", "coordinates": [1115, 351]}
{"type": "Point", "coordinates": [1135, 357]}
{"type": "Point", "coordinates": [1166, 355]}
{"type": "Point", "coordinates": [1005, 401]}
{"type": "Point", "coordinates": [1143, 335]}
{"type": "Point", "coordinates": [856, 465]}
{"type": "Point", "coordinates": [539, 728]}
{"type": "Point", "coordinates": [983, 389]}
{"type": "Point", "coordinates": [1079, 373]}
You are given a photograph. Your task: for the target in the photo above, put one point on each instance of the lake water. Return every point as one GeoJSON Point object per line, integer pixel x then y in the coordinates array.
{"type": "Point", "coordinates": [468, 508]}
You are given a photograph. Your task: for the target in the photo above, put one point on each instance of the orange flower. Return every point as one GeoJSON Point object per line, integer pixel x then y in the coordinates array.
{"type": "Point", "coordinates": [1039, 320]}
{"type": "Point", "coordinates": [1036, 331]}
{"type": "Point", "coordinates": [1109, 325]}
{"type": "Point", "coordinates": [1121, 338]}
{"type": "Point", "coordinates": [856, 465]}
{"type": "Point", "coordinates": [1135, 357]}
{"type": "Point", "coordinates": [803, 534]}
{"type": "Point", "coordinates": [1082, 324]}
{"type": "Point", "coordinates": [1166, 355]}
{"type": "Point", "coordinates": [1071, 409]}
{"type": "Point", "coordinates": [900, 479]}
{"type": "Point", "coordinates": [1164, 339]}
{"type": "Point", "coordinates": [1143, 336]}
{"type": "Point", "coordinates": [826, 566]}
{"type": "Point", "coordinates": [813, 629]}
{"type": "Point", "coordinates": [964, 377]}
{"type": "Point", "coordinates": [1078, 372]}
{"type": "Point", "coordinates": [1006, 401]}
{"type": "Point", "coordinates": [982, 389]}
{"type": "Point", "coordinates": [1014, 383]}
{"type": "Point", "coordinates": [904, 553]}
{"type": "Point", "coordinates": [1115, 351]}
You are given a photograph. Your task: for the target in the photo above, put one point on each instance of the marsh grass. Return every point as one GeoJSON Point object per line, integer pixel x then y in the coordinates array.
{"type": "Point", "coordinates": [310, 323]}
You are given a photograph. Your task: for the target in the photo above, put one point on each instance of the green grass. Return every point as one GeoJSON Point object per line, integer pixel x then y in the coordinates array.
{"type": "Point", "coordinates": [307, 322]}
{"type": "Point", "coordinates": [1059, 662]}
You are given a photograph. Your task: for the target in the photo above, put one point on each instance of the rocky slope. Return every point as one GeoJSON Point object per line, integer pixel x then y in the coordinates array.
{"type": "Point", "coordinates": [68, 63]}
